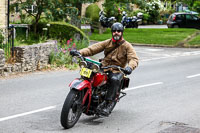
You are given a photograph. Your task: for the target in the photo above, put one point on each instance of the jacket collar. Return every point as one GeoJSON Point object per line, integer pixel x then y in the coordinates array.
{"type": "Point", "coordinates": [119, 42]}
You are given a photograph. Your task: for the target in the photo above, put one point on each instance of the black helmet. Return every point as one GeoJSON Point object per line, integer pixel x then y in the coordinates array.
{"type": "Point", "coordinates": [117, 26]}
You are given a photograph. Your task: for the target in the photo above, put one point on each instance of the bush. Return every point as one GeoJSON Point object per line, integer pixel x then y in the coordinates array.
{"type": "Point", "coordinates": [62, 31]}
{"type": "Point", "coordinates": [92, 12]}
{"type": "Point", "coordinates": [61, 57]}
{"type": "Point", "coordinates": [114, 9]}
{"type": "Point", "coordinates": [152, 9]}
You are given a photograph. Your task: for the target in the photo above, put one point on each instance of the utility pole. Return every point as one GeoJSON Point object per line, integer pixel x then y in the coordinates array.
{"type": "Point", "coordinates": [8, 14]}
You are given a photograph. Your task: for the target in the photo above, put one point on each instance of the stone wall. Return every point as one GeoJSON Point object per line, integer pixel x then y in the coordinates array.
{"type": "Point", "coordinates": [2, 61]}
{"type": "Point", "coordinates": [27, 58]}
{"type": "Point", "coordinates": [3, 12]}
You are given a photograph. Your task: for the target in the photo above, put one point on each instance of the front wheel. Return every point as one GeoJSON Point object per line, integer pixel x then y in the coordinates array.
{"type": "Point", "coordinates": [72, 109]}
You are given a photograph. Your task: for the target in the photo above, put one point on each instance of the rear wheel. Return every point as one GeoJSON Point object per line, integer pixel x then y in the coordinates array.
{"type": "Point", "coordinates": [72, 109]}
{"type": "Point", "coordinates": [136, 25]}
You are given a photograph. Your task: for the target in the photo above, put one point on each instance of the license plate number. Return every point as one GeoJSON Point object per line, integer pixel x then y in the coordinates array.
{"type": "Point", "coordinates": [85, 72]}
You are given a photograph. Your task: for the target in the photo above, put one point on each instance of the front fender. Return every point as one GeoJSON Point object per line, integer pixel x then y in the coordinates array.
{"type": "Point", "coordinates": [80, 84]}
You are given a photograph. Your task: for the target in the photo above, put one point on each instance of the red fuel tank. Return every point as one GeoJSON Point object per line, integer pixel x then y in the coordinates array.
{"type": "Point", "coordinates": [100, 79]}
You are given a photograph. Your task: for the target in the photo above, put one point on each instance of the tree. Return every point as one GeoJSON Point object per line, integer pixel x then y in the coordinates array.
{"type": "Point", "coordinates": [116, 7]}
{"type": "Point", "coordinates": [197, 6]}
{"type": "Point", "coordinates": [190, 3]}
{"type": "Point", "coordinates": [52, 9]}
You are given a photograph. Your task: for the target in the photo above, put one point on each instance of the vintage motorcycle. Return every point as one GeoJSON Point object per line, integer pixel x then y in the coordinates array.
{"type": "Point", "coordinates": [88, 91]}
{"type": "Point", "coordinates": [131, 22]}
{"type": "Point", "coordinates": [106, 22]}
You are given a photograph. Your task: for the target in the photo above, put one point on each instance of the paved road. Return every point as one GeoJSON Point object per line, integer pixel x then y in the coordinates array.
{"type": "Point", "coordinates": [164, 95]}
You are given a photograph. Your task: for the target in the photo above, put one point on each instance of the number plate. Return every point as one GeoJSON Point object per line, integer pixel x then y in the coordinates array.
{"type": "Point", "coordinates": [85, 72]}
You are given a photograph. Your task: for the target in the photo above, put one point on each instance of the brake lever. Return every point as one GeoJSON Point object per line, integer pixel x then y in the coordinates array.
{"type": "Point", "coordinates": [121, 70]}
{"type": "Point", "coordinates": [74, 59]}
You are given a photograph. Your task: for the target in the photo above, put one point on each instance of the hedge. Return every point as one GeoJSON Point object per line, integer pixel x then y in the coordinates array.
{"type": "Point", "coordinates": [63, 31]}
{"type": "Point", "coordinates": [92, 12]}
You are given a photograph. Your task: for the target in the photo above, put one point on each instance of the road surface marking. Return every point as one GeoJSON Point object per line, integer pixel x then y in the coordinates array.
{"type": "Point", "coordinates": [154, 50]}
{"type": "Point", "coordinates": [174, 55]}
{"type": "Point", "coordinates": [143, 86]}
{"type": "Point", "coordinates": [27, 113]}
{"type": "Point", "coordinates": [154, 59]}
{"type": "Point", "coordinates": [193, 76]}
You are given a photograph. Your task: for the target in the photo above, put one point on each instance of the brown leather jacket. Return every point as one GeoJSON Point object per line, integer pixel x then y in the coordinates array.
{"type": "Point", "coordinates": [120, 56]}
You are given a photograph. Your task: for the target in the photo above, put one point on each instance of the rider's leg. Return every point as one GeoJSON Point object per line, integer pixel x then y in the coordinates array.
{"type": "Point", "coordinates": [115, 83]}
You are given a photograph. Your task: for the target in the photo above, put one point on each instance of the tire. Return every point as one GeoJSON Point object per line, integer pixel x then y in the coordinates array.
{"type": "Point", "coordinates": [72, 109]}
{"type": "Point", "coordinates": [176, 26]}
{"type": "Point", "coordinates": [136, 25]}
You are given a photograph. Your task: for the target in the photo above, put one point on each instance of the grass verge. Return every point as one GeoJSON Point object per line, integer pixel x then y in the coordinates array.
{"type": "Point", "coordinates": [195, 41]}
{"type": "Point", "coordinates": [168, 37]}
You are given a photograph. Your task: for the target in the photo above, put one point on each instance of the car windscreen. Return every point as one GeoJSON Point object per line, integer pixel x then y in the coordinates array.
{"type": "Point", "coordinates": [171, 17]}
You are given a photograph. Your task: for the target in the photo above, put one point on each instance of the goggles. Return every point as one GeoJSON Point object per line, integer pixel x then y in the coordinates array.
{"type": "Point", "coordinates": [117, 31]}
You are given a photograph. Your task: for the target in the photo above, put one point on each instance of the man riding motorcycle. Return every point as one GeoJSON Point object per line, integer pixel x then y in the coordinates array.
{"type": "Point", "coordinates": [118, 52]}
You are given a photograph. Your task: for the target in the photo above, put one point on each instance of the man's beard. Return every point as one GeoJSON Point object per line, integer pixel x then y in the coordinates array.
{"type": "Point", "coordinates": [117, 37]}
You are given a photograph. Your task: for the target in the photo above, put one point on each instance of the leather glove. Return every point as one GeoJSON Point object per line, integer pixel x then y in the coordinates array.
{"type": "Point", "coordinates": [128, 70]}
{"type": "Point", "coordinates": [74, 53]}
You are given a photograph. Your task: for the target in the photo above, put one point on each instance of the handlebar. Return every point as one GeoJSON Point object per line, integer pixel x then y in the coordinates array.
{"type": "Point", "coordinates": [114, 66]}
{"type": "Point", "coordinates": [81, 57]}
{"type": "Point", "coordinates": [106, 67]}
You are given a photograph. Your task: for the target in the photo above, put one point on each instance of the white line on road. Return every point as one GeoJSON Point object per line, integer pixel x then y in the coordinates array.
{"type": "Point", "coordinates": [175, 55]}
{"type": "Point", "coordinates": [27, 113]}
{"type": "Point", "coordinates": [142, 86]}
{"type": "Point", "coordinates": [151, 59]}
{"type": "Point", "coordinates": [193, 76]}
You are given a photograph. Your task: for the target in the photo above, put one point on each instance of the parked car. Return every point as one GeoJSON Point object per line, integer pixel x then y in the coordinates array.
{"type": "Point", "coordinates": [183, 20]}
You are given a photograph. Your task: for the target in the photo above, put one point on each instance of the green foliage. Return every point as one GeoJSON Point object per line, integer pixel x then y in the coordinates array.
{"type": "Point", "coordinates": [60, 57]}
{"type": "Point", "coordinates": [152, 8]}
{"type": "Point", "coordinates": [62, 30]}
{"type": "Point", "coordinates": [190, 3]}
{"type": "Point", "coordinates": [1, 36]}
{"type": "Point", "coordinates": [164, 15]}
{"type": "Point", "coordinates": [32, 38]}
{"type": "Point", "coordinates": [197, 6]}
{"type": "Point", "coordinates": [115, 8]}
{"type": "Point", "coordinates": [92, 12]}
{"type": "Point", "coordinates": [54, 10]}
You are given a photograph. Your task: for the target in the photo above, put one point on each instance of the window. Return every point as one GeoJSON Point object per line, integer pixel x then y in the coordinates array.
{"type": "Point", "coordinates": [180, 17]}
{"type": "Point", "coordinates": [191, 17]}
{"type": "Point", "coordinates": [32, 9]}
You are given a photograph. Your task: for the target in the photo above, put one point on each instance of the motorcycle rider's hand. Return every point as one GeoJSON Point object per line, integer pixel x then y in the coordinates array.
{"type": "Point", "coordinates": [74, 53]}
{"type": "Point", "coordinates": [128, 70]}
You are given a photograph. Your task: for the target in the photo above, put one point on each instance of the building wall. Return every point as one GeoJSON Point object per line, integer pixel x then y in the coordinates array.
{"type": "Point", "coordinates": [3, 13]}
